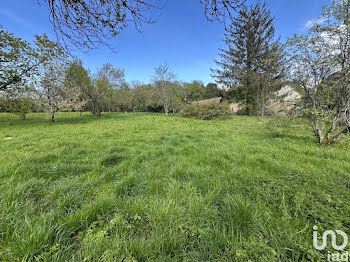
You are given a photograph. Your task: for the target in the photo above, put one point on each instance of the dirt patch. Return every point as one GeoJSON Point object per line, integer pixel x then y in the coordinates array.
{"type": "Point", "coordinates": [8, 138]}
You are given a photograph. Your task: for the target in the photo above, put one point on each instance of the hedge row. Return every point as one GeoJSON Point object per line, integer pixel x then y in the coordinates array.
{"type": "Point", "coordinates": [206, 111]}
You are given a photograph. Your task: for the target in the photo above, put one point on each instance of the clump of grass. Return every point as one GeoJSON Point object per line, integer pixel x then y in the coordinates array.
{"type": "Point", "coordinates": [111, 160]}
{"type": "Point", "coordinates": [239, 216]}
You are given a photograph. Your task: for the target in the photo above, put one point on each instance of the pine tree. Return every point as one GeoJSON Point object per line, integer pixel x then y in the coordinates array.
{"type": "Point", "coordinates": [253, 62]}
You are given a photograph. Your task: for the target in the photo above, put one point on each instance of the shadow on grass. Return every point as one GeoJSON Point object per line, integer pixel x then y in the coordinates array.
{"type": "Point", "coordinates": [34, 119]}
{"type": "Point", "coordinates": [41, 119]}
{"type": "Point", "coordinates": [112, 160]}
{"type": "Point", "coordinates": [297, 139]}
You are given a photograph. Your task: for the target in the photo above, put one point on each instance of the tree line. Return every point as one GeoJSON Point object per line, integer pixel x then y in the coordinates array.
{"type": "Point", "coordinates": [41, 77]}
{"type": "Point", "coordinates": [254, 65]}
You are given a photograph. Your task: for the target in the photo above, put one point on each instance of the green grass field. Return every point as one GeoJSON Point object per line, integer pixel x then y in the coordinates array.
{"type": "Point", "coordinates": [143, 187]}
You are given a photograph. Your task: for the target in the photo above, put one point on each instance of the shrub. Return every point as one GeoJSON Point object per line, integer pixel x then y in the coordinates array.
{"type": "Point", "coordinates": [18, 106]}
{"type": "Point", "coordinates": [206, 111]}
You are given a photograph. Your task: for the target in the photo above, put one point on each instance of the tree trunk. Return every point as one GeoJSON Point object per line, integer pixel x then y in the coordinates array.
{"type": "Point", "coordinates": [263, 110]}
{"type": "Point", "coordinates": [327, 141]}
{"type": "Point", "coordinates": [166, 109]}
{"type": "Point", "coordinates": [52, 116]}
{"type": "Point", "coordinates": [262, 105]}
{"type": "Point", "coordinates": [317, 130]}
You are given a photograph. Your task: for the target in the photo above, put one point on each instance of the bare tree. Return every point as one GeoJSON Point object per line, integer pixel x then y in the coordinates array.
{"type": "Point", "coordinates": [337, 29]}
{"type": "Point", "coordinates": [221, 10]}
{"type": "Point", "coordinates": [163, 81]}
{"type": "Point", "coordinates": [321, 67]}
{"type": "Point", "coordinates": [85, 24]}
{"type": "Point", "coordinates": [114, 76]}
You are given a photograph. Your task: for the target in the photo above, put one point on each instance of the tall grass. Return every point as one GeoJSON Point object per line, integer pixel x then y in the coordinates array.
{"type": "Point", "coordinates": [143, 187]}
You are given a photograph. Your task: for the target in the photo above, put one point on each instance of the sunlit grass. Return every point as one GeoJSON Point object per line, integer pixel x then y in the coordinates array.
{"type": "Point", "coordinates": [143, 187]}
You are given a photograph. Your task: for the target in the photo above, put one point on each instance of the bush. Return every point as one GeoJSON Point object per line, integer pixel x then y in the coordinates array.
{"type": "Point", "coordinates": [18, 106]}
{"type": "Point", "coordinates": [206, 111]}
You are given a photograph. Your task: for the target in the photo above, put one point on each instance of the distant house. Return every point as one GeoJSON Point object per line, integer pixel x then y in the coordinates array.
{"type": "Point", "coordinates": [234, 108]}
{"type": "Point", "coordinates": [285, 101]}
{"type": "Point", "coordinates": [207, 101]}
{"type": "Point", "coordinates": [288, 94]}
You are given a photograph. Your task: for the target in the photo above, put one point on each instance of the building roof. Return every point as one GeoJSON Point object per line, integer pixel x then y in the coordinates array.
{"type": "Point", "coordinates": [288, 94]}
{"type": "Point", "coordinates": [207, 101]}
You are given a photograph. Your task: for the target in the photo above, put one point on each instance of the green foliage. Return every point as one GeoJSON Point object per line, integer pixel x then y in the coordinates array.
{"type": "Point", "coordinates": [207, 111]}
{"type": "Point", "coordinates": [18, 106]}
{"type": "Point", "coordinates": [186, 190]}
{"type": "Point", "coordinates": [50, 52]}
{"type": "Point", "coordinates": [18, 101]}
{"type": "Point", "coordinates": [253, 62]}
{"type": "Point", "coordinates": [212, 90]}
{"type": "Point", "coordinates": [194, 91]}
{"type": "Point", "coordinates": [105, 89]}
{"type": "Point", "coordinates": [18, 61]}
{"type": "Point", "coordinates": [77, 77]}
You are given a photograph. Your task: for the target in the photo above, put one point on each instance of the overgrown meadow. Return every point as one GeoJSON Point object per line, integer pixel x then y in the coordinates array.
{"type": "Point", "coordinates": [145, 187]}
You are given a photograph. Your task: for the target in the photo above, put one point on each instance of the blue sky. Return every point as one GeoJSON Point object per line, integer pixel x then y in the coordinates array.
{"type": "Point", "coordinates": [181, 37]}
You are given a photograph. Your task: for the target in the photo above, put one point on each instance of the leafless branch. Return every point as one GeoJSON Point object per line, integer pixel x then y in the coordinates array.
{"type": "Point", "coordinates": [86, 24]}
{"type": "Point", "coordinates": [222, 10]}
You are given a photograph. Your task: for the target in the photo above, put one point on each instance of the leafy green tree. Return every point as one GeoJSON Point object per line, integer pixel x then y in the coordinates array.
{"type": "Point", "coordinates": [18, 61]}
{"type": "Point", "coordinates": [125, 99]}
{"type": "Point", "coordinates": [253, 62]}
{"type": "Point", "coordinates": [212, 90]}
{"type": "Point", "coordinates": [141, 97]}
{"type": "Point", "coordinates": [99, 93]}
{"type": "Point", "coordinates": [77, 77]}
{"type": "Point", "coordinates": [194, 91]}
{"type": "Point", "coordinates": [102, 93]}
{"type": "Point", "coordinates": [17, 101]}
{"type": "Point", "coordinates": [271, 80]}
{"type": "Point", "coordinates": [177, 101]}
